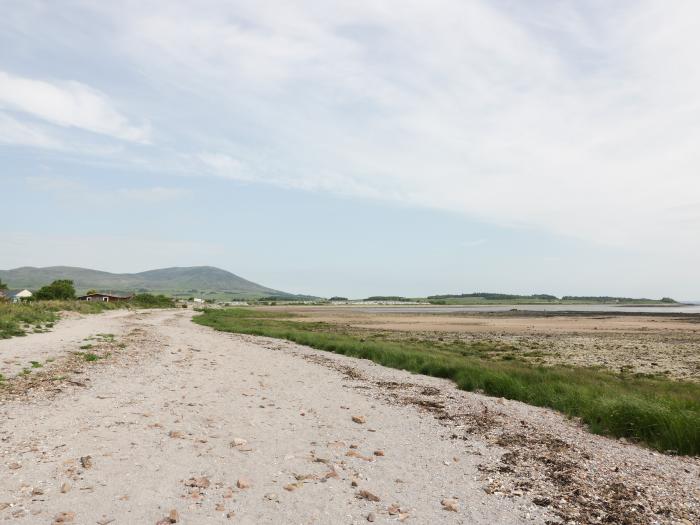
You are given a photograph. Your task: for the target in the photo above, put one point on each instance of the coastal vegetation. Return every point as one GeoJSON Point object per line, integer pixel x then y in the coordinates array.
{"type": "Point", "coordinates": [18, 319]}
{"type": "Point", "coordinates": [658, 412]}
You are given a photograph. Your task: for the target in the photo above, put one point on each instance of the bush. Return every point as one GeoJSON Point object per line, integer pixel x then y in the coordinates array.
{"type": "Point", "coordinates": [147, 300]}
{"type": "Point", "coordinates": [60, 290]}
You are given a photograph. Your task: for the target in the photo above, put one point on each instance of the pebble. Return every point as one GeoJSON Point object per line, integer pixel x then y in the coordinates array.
{"type": "Point", "coordinates": [64, 517]}
{"type": "Point", "coordinates": [243, 483]}
{"type": "Point", "coordinates": [359, 419]}
{"type": "Point", "coordinates": [366, 494]}
{"type": "Point", "coordinates": [450, 504]}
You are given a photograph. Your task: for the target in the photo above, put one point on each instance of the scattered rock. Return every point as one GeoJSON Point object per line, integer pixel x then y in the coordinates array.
{"type": "Point", "coordinates": [105, 521]}
{"type": "Point", "coordinates": [291, 487]}
{"type": "Point", "coordinates": [378, 452]}
{"type": "Point", "coordinates": [65, 487]}
{"type": "Point", "coordinates": [176, 434]}
{"type": "Point", "coordinates": [238, 442]}
{"type": "Point", "coordinates": [202, 482]}
{"type": "Point", "coordinates": [271, 496]}
{"type": "Point", "coordinates": [354, 482]}
{"type": "Point", "coordinates": [359, 419]}
{"type": "Point", "coordinates": [219, 507]}
{"type": "Point", "coordinates": [371, 517]}
{"type": "Point", "coordinates": [14, 466]}
{"type": "Point", "coordinates": [230, 515]}
{"type": "Point", "coordinates": [243, 483]}
{"type": "Point", "coordinates": [366, 494]}
{"type": "Point", "coordinates": [356, 454]}
{"type": "Point", "coordinates": [64, 517]}
{"type": "Point", "coordinates": [36, 491]}
{"type": "Point", "coordinates": [86, 462]}
{"type": "Point", "coordinates": [450, 504]}
{"type": "Point", "coordinates": [331, 474]}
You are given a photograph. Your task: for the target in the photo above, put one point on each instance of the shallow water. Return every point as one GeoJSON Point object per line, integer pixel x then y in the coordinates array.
{"type": "Point", "coordinates": [594, 308]}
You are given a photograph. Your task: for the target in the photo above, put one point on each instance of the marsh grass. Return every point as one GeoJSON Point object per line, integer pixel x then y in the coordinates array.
{"type": "Point", "coordinates": [663, 414]}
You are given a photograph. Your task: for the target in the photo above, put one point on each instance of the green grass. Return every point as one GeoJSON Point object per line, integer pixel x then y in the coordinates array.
{"type": "Point", "coordinates": [663, 414]}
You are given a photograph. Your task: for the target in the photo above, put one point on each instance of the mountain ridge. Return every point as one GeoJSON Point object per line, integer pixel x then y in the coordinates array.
{"type": "Point", "coordinates": [175, 280]}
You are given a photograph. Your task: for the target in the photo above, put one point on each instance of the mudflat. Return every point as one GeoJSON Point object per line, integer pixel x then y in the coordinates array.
{"type": "Point", "coordinates": [666, 345]}
{"type": "Point", "coordinates": [172, 422]}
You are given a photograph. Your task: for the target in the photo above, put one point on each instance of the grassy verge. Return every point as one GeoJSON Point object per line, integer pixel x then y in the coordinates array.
{"type": "Point", "coordinates": [660, 413]}
{"type": "Point", "coordinates": [18, 319]}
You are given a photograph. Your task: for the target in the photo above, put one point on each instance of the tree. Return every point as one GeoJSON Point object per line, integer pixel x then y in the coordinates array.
{"type": "Point", "coordinates": [61, 289]}
{"type": "Point", "coordinates": [3, 286]}
{"type": "Point", "coordinates": [91, 291]}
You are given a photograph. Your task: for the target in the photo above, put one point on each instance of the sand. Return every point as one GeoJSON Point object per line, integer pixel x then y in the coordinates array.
{"type": "Point", "coordinates": [224, 428]}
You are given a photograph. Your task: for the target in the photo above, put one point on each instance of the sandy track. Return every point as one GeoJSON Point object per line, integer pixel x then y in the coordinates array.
{"type": "Point", "coordinates": [157, 424]}
{"type": "Point", "coordinates": [16, 353]}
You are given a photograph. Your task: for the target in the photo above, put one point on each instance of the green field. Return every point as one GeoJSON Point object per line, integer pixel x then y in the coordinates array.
{"type": "Point", "coordinates": [660, 413]}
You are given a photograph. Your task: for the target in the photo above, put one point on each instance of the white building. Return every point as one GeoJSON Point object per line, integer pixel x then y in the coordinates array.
{"type": "Point", "coordinates": [24, 294]}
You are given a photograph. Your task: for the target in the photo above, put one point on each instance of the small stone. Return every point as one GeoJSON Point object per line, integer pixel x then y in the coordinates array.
{"type": "Point", "coordinates": [371, 517]}
{"type": "Point", "coordinates": [450, 504]}
{"type": "Point", "coordinates": [378, 452]}
{"type": "Point", "coordinates": [86, 461]}
{"type": "Point", "coordinates": [291, 487]}
{"type": "Point", "coordinates": [359, 419]}
{"type": "Point", "coordinates": [36, 491]}
{"type": "Point", "coordinates": [366, 494]}
{"type": "Point", "coordinates": [243, 483]}
{"type": "Point", "coordinates": [201, 483]}
{"type": "Point", "coordinates": [65, 487]}
{"type": "Point", "coordinates": [238, 442]}
{"type": "Point", "coordinates": [173, 516]}
{"type": "Point", "coordinates": [14, 466]}
{"type": "Point", "coordinates": [230, 515]}
{"type": "Point", "coordinates": [331, 474]}
{"type": "Point", "coordinates": [176, 434]}
{"type": "Point", "coordinates": [354, 482]}
{"type": "Point", "coordinates": [271, 496]}
{"type": "Point", "coordinates": [64, 517]}
{"type": "Point", "coordinates": [393, 509]}
{"type": "Point", "coordinates": [219, 507]}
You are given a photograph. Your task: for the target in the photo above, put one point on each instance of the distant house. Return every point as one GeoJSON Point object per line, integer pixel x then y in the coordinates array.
{"type": "Point", "coordinates": [19, 296]}
{"type": "Point", "coordinates": [104, 297]}
{"type": "Point", "coordinates": [198, 300]}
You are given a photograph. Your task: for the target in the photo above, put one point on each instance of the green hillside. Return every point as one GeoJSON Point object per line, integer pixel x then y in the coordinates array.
{"type": "Point", "coordinates": [206, 281]}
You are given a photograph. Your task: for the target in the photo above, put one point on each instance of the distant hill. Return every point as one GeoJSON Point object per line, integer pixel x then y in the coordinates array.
{"type": "Point", "coordinates": [205, 281]}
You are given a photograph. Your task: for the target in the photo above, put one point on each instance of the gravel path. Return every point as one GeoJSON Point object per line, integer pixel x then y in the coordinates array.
{"type": "Point", "coordinates": [187, 425]}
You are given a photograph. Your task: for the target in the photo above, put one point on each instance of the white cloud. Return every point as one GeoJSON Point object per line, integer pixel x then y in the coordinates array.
{"type": "Point", "coordinates": [579, 119]}
{"type": "Point", "coordinates": [16, 133]}
{"type": "Point", "coordinates": [68, 104]}
{"type": "Point", "coordinates": [73, 190]}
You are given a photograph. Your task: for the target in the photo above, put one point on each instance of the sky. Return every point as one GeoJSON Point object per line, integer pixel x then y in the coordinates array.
{"type": "Point", "coordinates": [357, 147]}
